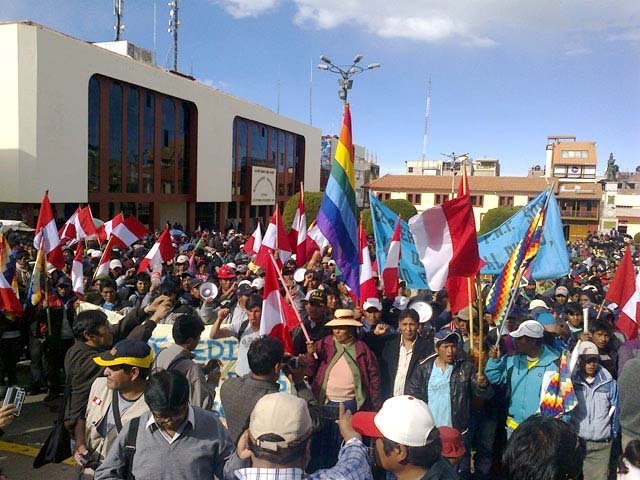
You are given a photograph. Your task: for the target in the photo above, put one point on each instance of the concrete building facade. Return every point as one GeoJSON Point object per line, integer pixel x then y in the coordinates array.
{"type": "Point", "coordinates": [95, 126]}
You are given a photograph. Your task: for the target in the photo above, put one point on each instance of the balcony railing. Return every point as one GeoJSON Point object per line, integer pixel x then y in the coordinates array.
{"type": "Point", "coordinates": [579, 213]}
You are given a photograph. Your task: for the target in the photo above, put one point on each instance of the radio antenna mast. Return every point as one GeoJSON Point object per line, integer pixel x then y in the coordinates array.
{"type": "Point", "coordinates": [174, 24]}
{"type": "Point", "coordinates": [426, 121]}
{"type": "Point", "coordinates": [118, 12]}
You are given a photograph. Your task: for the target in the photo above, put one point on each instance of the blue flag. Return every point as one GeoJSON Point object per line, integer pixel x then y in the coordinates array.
{"type": "Point", "coordinates": [384, 221]}
{"type": "Point", "coordinates": [552, 260]}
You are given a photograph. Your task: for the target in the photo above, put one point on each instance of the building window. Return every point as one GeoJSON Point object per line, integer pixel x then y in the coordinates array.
{"type": "Point", "coordinates": [115, 138]}
{"type": "Point", "coordinates": [410, 169]}
{"type": "Point", "coordinates": [183, 148]}
{"type": "Point", "coordinates": [133, 139]}
{"type": "Point", "coordinates": [441, 198]}
{"type": "Point", "coordinates": [575, 154]}
{"type": "Point", "coordinates": [241, 152]}
{"type": "Point", "coordinates": [505, 201]}
{"type": "Point", "coordinates": [258, 144]}
{"type": "Point", "coordinates": [477, 200]}
{"type": "Point", "coordinates": [167, 159]}
{"type": "Point", "coordinates": [94, 135]}
{"type": "Point", "coordinates": [414, 198]}
{"type": "Point", "coordinates": [148, 141]}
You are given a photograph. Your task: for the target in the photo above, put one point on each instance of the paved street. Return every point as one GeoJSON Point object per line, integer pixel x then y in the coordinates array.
{"type": "Point", "coordinates": [24, 437]}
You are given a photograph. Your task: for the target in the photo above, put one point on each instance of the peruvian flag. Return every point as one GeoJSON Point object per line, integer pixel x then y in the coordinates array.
{"type": "Point", "coordinates": [103, 232]}
{"type": "Point", "coordinates": [390, 270]}
{"type": "Point", "coordinates": [298, 232]}
{"type": "Point", "coordinates": [161, 252]}
{"type": "Point", "coordinates": [367, 283]}
{"type": "Point", "coordinates": [128, 232]}
{"type": "Point", "coordinates": [103, 264]}
{"type": "Point", "coordinates": [277, 319]}
{"type": "Point", "coordinates": [253, 243]}
{"type": "Point", "coordinates": [316, 241]}
{"type": "Point", "coordinates": [77, 273]}
{"type": "Point", "coordinates": [79, 226]}
{"type": "Point", "coordinates": [445, 238]}
{"type": "Point", "coordinates": [47, 234]}
{"type": "Point", "coordinates": [9, 301]}
{"type": "Point", "coordinates": [275, 239]}
{"type": "Point", "coordinates": [625, 291]}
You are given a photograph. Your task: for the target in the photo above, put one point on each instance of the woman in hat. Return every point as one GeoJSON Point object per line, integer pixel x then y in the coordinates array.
{"type": "Point", "coordinates": [344, 370]}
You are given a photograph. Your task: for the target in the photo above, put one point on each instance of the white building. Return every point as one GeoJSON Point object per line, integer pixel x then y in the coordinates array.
{"type": "Point", "coordinates": [99, 127]}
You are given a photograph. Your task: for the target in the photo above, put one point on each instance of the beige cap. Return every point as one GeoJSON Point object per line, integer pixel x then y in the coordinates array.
{"type": "Point", "coordinates": [587, 348]}
{"type": "Point", "coordinates": [464, 314]}
{"type": "Point", "coordinates": [281, 414]}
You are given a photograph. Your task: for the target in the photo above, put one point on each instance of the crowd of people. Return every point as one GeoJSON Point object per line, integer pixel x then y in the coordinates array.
{"type": "Point", "coordinates": [383, 388]}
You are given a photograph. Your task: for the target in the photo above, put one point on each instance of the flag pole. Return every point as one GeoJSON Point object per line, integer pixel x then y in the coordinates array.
{"type": "Point", "coordinates": [290, 298]}
{"type": "Point", "coordinates": [480, 324]}
{"type": "Point", "coordinates": [469, 296]}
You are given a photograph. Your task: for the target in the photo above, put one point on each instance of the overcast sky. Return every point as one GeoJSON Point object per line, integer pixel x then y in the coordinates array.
{"type": "Point", "coordinates": [505, 74]}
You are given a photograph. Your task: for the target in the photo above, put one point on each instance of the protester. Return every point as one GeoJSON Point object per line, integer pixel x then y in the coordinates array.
{"type": "Point", "coordinates": [178, 358]}
{"type": "Point", "coordinates": [628, 388]}
{"type": "Point", "coordinates": [172, 440]}
{"type": "Point", "coordinates": [114, 400]}
{"type": "Point", "coordinates": [629, 465]}
{"type": "Point", "coordinates": [543, 448]}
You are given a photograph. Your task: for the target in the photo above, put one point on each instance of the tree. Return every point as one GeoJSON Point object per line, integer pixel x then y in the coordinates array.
{"type": "Point", "coordinates": [312, 202]}
{"type": "Point", "coordinates": [636, 238]}
{"type": "Point", "coordinates": [496, 217]}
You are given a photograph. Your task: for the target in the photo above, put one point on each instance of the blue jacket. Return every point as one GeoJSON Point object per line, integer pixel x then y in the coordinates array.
{"type": "Point", "coordinates": [525, 384]}
{"type": "Point", "coordinates": [590, 418]}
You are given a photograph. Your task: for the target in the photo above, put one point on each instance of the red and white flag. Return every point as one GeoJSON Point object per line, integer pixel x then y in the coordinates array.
{"type": "Point", "coordinates": [445, 238]}
{"type": "Point", "coordinates": [129, 232]}
{"type": "Point", "coordinates": [298, 232]}
{"type": "Point", "coordinates": [103, 232]}
{"type": "Point", "coordinates": [276, 320]}
{"type": "Point", "coordinates": [625, 291]}
{"type": "Point", "coordinates": [367, 283]}
{"type": "Point", "coordinates": [390, 270]}
{"type": "Point", "coordinates": [47, 234]}
{"type": "Point", "coordinates": [316, 241]}
{"type": "Point", "coordinates": [77, 273]}
{"type": "Point", "coordinates": [9, 301]}
{"type": "Point", "coordinates": [161, 252]}
{"type": "Point", "coordinates": [253, 243]}
{"type": "Point", "coordinates": [79, 226]}
{"type": "Point", "coordinates": [275, 240]}
{"type": "Point", "coordinates": [103, 265]}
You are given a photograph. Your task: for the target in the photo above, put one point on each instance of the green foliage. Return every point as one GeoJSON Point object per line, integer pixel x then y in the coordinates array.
{"type": "Point", "coordinates": [636, 238]}
{"type": "Point", "coordinates": [398, 206]}
{"type": "Point", "coordinates": [496, 217]}
{"type": "Point", "coordinates": [312, 202]}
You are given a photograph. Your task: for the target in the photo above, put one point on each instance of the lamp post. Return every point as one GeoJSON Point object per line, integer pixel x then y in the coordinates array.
{"type": "Point", "coordinates": [346, 73]}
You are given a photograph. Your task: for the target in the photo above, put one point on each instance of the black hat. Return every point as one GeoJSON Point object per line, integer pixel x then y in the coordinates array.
{"type": "Point", "coordinates": [245, 289]}
{"type": "Point", "coordinates": [127, 352]}
{"type": "Point", "coordinates": [316, 296]}
{"type": "Point", "coordinates": [195, 283]}
{"type": "Point", "coordinates": [64, 281]}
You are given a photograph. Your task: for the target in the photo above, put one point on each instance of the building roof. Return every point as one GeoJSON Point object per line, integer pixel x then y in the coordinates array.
{"type": "Point", "coordinates": [431, 183]}
{"type": "Point", "coordinates": [576, 191]}
{"type": "Point", "coordinates": [588, 146]}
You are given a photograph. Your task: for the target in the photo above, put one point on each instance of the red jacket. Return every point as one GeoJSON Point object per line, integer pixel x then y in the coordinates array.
{"type": "Point", "coordinates": [367, 364]}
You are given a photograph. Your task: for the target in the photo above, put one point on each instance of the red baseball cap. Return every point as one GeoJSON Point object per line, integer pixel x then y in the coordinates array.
{"type": "Point", "coordinates": [226, 271]}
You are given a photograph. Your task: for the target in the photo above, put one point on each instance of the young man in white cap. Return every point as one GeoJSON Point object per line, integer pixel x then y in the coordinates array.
{"type": "Point", "coordinates": [523, 372]}
{"type": "Point", "coordinates": [595, 416]}
{"type": "Point", "coordinates": [405, 440]}
{"type": "Point", "coordinates": [276, 446]}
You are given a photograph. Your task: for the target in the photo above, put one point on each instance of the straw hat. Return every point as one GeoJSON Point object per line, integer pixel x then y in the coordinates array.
{"type": "Point", "coordinates": [343, 318]}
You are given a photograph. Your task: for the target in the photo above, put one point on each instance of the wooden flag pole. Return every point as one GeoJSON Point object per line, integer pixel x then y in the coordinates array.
{"type": "Point", "coordinates": [469, 291]}
{"type": "Point", "coordinates": [480, 324]}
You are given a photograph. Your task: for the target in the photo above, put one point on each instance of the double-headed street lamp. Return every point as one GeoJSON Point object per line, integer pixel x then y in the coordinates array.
{"type": "Point", "coordinates": [346, 72]}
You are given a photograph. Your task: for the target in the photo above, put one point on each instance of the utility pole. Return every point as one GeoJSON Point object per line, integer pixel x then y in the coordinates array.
{"type": "Point", "coordinates": [174, 24]}
{"type": "Point", "coordinates": [426, 121]}
{"type": "Point", "coordinates": [118, 12]}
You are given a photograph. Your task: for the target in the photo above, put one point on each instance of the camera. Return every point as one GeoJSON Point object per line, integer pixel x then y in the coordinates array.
{"type": "Point", "coordinates": [292, 363]}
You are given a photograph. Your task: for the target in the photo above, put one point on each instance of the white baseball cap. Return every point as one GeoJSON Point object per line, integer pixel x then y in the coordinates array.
{"type": "Point", "coordinates": [404, 419]}
{"type": "Point", "coordinates": [258, 283]}
{"type": "Point", "coordinates": [115, 263]}
{"type": "Point", "coordinates": [372, 303]}
{"type": "Point", "coordinates": [537, 303]}
{"type": "Point", "coordinates": [182, 259]}
{"type": "Point", "coordinates": [529, 328]}
{"type": "Point", "coordinates": [400, 302]}
{"type": "Point", "coordinates": [587, 348]}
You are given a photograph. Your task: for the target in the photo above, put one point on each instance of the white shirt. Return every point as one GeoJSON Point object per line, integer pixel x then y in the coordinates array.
{"type": "Point", "coordinates": [404, 359]}
{"type": "Point", "coordinates": [190, 419]}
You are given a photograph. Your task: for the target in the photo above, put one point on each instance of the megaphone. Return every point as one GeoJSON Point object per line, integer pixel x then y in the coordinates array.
{"type": "Point", "coordinates": [208, 290]}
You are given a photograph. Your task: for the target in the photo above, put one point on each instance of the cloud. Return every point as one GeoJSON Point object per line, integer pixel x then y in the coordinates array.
{"type": "Point", "coordinates": [247, 8]}
{"type": "Point", "coordinates": [218, 84]}
{"type": "Point", "coordinates": [630, 36]}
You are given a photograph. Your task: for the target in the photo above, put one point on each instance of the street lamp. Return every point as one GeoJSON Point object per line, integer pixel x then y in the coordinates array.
{"type": "Point", "coordinates": [346, 72]}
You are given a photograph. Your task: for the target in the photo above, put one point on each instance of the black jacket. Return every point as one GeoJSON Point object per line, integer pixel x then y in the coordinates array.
{"type": "Point", "coordinates": [387, 350]}
{"type": "Point", "coordinates": [463, 388]}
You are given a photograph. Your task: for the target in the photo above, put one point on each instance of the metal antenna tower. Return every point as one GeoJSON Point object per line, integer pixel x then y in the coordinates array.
{"type": "Point", "coordinates": [174, 24]}
{"type": "Point", "coordinates": [118, 12]}
{"type": "Point", "coordinates": [311, 93]}
{"type": "Point", "coordinates": [426, 121]}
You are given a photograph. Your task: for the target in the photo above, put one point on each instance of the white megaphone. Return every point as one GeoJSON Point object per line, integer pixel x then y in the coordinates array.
{"type": "Point", "coordinates": [208, 290]}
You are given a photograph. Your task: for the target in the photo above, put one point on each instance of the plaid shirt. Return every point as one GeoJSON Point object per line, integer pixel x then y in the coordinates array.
{"type": "Point", "coordinates": [353, 464]}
